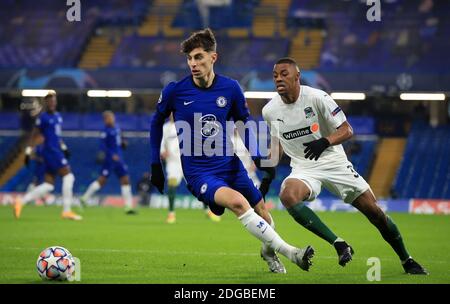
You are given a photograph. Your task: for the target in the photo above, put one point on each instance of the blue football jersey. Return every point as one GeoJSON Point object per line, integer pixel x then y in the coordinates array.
{"type": "Point", "coordinates": [206, 112]}
{"type": "Point", "coordinates": [50, 126]}
{"type": "Point", "coordinates": [111, 141]}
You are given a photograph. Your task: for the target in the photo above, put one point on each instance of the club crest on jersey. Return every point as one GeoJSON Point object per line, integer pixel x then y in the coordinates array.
{"type": "Point", "coordinates": [209, 125]}
{"type": "Point", "coordinates": [221, 101]}
{"type": "Point", "coordinates": [309, 112]}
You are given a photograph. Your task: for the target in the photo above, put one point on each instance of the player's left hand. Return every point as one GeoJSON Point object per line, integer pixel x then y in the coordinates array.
{"type": "Point", "coordinates": [315, 148]}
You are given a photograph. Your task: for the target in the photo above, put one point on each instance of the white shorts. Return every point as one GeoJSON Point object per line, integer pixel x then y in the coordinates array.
{"type": "Point", "coordinates": [339, 178]}
{"type": "Point", "coordinates": [174, 171]}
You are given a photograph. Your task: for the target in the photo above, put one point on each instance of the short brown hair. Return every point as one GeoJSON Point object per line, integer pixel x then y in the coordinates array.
{"type": "Point", "coordinates": [204, 39]}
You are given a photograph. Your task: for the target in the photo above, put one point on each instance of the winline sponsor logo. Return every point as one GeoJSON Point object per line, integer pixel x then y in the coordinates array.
{"type": "Point", "coordinates": [300, 132]}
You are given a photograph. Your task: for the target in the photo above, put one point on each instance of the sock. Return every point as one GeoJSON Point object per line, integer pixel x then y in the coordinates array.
{"type": "Point", "coordinates": [127, 196]}
{"type": "Point", "coordinates": [171, 191]}
{"type": "Point", "coordinates": [308, 219]}
{"type": "Point", "coordinates": [392, 235]}
{"type": "Point", "coordinates": [338, 240]}
{"type": "Point", "coordinates": [30, 187]}
{"type": "Point", "coordinates": [93, 187]}
{"type": "Point", "coordinates": [259, 228]}
{"type": "Point", "coordinates": [37, 192]}
{"type": "Point", "coordinates": [67, 186]}
{"type": "Point", "coordinates": [266, 248]}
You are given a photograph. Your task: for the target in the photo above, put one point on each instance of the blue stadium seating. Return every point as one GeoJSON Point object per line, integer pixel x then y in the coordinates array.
{"type": "Point", "coordinates": [9, 121]}
{"type": "Point", "coordinates": [410, 35]}
{"type": "Point", "coordinates": [163, 53]}
{"type": "Point", "coordinates": [238, 14]}
{"type": "Point", "coordinates": [36, 34]}
{"type": "Point", "coordinates": [425, 168]}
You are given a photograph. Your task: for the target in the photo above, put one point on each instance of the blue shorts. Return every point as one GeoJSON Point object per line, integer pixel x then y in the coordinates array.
{"type": "Point", "coordinates": [118, 167]}
{"type": "Point", "coordinates": [204, 187]}
{"type": "Point", "coordinates": [54, 160]}
{"type": "Point", "coordinates": [39, 172]}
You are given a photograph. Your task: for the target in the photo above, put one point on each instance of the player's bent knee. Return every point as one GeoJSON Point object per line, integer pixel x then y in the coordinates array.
{"type": "Point", "coordinates": [289, 198]}
{"type": "Point", "coordinates": [238, 205]}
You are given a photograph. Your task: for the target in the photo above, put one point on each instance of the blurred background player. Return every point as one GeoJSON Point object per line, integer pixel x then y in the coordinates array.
{"type": "Point", "coordinates": [37, 164]}
{"type": "Point", "coordinates": [310, 127]}
{"type": "Point", "coordinates": [245, 157]}
{"type": "Point", "coordinates": [55, 154]}
{"type": "Point", "coordinates": [144, 188]}
{"type": "Point", "coordinates": [112, 144]}
{"type": "Point", "coordinates": [170, 153]}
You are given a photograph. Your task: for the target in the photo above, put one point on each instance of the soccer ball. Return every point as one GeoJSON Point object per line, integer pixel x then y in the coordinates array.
{"type": "Point", "coordinates": [55, 263]}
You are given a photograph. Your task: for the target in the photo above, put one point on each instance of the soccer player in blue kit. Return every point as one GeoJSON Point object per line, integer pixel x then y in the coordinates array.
{"type": "Point", "coordinates": [55, 154]}
{"type": "Point", "coordinates": [112, 144]}
{"type": "Point", "coordinates": [203, 102]}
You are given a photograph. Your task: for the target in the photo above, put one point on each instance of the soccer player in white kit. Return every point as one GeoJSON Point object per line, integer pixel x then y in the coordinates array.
{"type": "Point", "coordinates": [310, 127]}
{"type": "Point", "coordinates": [170, 153]}
{"type": "Point", "coordinates": [241, 151]}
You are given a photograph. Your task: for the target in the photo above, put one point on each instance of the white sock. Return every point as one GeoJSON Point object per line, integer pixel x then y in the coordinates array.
{"type": "Point", "coordinates": [266, 248]}
{"type": "Point", "coordinates": [93, 187]}
{"type": "Point", "coordinates": [30, 187]}
{"type": "Point", "coordinates": [127, 196]}
{"type": "Point", "coordinates": [38, 192]}
{"type": "Point", "coordinates": [257, 226]}
{"type": "Point", "coordinates": [67, 187]}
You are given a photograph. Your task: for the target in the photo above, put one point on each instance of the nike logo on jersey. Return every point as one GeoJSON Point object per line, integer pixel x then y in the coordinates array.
{"type": "Point", "coordinates": [279, 119]}
{"type": "Point", "coordinates": [188, 102]}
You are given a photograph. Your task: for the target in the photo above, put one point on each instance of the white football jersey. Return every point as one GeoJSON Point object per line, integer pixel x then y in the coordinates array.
{"type": "Point", "coordinates": [170, 143]}
{"type": "Point", "coordinates": [312, 116]}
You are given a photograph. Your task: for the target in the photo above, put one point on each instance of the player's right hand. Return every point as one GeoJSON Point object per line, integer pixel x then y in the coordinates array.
{"type": "Point", "coordinates": [157, 178]}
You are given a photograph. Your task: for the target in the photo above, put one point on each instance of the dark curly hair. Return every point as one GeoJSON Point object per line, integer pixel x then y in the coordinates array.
{"type": "Point", "coordinates": [204, 39]}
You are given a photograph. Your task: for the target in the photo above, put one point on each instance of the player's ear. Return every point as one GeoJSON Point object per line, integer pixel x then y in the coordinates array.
{"type": "Point", "coordinates": [214, 56]}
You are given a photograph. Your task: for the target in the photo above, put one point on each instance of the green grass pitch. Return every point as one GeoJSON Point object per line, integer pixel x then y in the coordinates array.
{"type": "Point", "coordinates": [116, 248]}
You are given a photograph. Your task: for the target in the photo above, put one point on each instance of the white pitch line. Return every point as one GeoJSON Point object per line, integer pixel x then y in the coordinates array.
{"type": "Point", "coordinates": [193, 253]}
